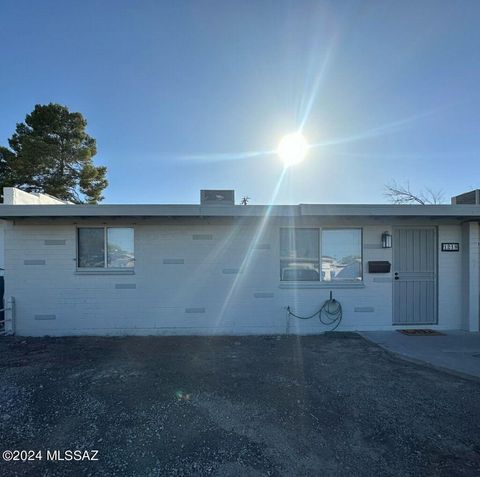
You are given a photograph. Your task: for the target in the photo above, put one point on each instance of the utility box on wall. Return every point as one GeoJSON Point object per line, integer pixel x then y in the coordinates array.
{"type": "Point", "coordinates": [381, 266]}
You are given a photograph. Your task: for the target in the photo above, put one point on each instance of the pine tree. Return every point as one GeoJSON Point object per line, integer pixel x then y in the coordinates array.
{"type": "Point", "coordinates": [52, 153]}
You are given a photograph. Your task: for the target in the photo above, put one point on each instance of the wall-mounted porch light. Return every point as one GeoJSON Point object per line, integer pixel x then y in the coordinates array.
{"type": "Point", "coordinates": [386, 240]}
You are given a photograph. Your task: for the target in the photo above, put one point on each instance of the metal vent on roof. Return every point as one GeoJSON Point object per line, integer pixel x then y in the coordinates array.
{"type": "Point", "coordinates": [217, 197]}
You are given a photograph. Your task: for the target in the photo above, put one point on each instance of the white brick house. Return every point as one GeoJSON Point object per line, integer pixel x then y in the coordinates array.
{"type": "Point", "coordinates": [219, 268]}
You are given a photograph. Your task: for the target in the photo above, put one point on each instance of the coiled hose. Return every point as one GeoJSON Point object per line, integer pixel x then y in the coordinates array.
{"type": "Point", "coordinates": [330, 313]}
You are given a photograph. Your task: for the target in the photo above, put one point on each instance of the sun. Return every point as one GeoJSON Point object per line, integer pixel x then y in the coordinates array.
{"type": "Point", "coordinates": [292, 149]}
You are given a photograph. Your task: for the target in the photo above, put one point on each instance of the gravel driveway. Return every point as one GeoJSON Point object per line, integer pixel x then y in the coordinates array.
{"type": "Point", "coordinates": [319, 405]}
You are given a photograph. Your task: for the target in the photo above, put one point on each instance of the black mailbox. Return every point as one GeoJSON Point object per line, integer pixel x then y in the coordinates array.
{"type": "Point", "coordinates": [382, 266]}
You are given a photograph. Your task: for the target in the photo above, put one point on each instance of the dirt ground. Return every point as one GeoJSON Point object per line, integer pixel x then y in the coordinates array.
{"type": "Point", "coordinates": [319, 405]}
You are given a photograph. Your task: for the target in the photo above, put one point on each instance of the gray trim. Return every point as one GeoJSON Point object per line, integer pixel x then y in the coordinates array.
{"type": "Point", "coordinates": [55, 242]}
{"type": "Point", "coordinates": [34, 262]}
{"type": "Point", "coordinates": [364, 309]}
{"type": "Point", "coordinates": [104, 271]}
{"type": "Point", "coordinates": [125, 286]}
{"type": "Point", "coordinates": [372, 246]}
{"type": "Point", "coordinates": [388, 210]}
{"type": "Point", "coordinates": [173, 261]}
{"type": "Point", "coordinates": [416, 325]}
{"type": "Point", "coordinates": [326, 210]}
{"type": "Point", "coordinates": [263, 295]}
{"type": "Point", "coordinates": [202, 237]}
{"type": "Point", "coordinates": [328, 285]}
{"type": "Point", "coordinates": [195, 310]}
{"type": "Point", "coordinates": [45, 317]}
{"type": "Point", "coordinates": [230, 271]}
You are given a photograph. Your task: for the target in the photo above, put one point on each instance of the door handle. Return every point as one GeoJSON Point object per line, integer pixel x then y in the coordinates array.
{"type": "Point", "coordinates": [396, 276]}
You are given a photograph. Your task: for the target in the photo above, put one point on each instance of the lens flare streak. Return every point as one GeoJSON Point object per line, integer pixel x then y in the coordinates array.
{"type": "Point", "coordinates": [374, 132]}
{"type": "Point", "coordinates": [251, 248]}
{"type": "Point", "coordinates": [306, 105]}
{"type": "Point", "coordinates": [227, 156]}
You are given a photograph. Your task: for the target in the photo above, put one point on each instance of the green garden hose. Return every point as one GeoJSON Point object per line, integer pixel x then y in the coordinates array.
{"type": "Point", "coordinates": [330, 313]}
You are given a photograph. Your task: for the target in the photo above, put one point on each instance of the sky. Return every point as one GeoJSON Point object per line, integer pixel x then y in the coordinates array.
{"type": "Point", "coordinates": [189, 95]}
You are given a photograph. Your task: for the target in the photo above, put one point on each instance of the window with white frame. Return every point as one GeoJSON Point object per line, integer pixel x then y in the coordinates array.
{"type": "Point", "coordinates": [328, 255]}
{"type": "Point", "coordinates": [105, 247]}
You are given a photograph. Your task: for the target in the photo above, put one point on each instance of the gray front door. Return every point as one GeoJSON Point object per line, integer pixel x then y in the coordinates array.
{"type": "Point", "coordinates": [414, 276]}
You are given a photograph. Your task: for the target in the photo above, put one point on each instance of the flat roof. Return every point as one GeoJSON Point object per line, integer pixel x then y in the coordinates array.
{"type": "Point", "coordinates": [469, 212]}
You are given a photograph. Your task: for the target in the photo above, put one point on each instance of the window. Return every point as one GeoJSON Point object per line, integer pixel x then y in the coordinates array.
{"type": "Point", "coordinates": [119, 247]}
{"type": "Point", "coordinates": [299, 254]}
{"type": "Point", "coordinates": [105, 247]}
{"type": "Point", "coordinates": [340, 251]}
{"type": "Point", "coordinates": [341, 255]}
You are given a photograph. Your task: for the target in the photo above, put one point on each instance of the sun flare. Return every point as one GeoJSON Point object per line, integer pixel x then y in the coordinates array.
{"type": "Point", "coordinates": [292, 149]}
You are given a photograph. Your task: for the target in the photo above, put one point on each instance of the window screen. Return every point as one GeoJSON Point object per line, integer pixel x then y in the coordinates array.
{"type": "Point", "coordinates": [91, 247]}
{"type": "Point", "coordinates": [299, 254]}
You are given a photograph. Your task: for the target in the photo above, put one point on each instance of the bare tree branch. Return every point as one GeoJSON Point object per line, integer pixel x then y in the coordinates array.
{"type": "Point", "coordinates": [434, 196]}
{"type": "Point", "coordinates": [400, 194]}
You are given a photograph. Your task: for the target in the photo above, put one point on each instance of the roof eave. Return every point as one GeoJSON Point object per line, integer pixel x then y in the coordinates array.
{"type": "Point", "coordinates": [470, 212]}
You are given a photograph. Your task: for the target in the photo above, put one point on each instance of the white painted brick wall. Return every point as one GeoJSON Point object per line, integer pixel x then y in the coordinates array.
{"type": "Point", "coordinates": [14, 196]}
{"type": "Point", "coordinates": [91, 304]}
{"type": "Point", "coordinates": [450, 277]}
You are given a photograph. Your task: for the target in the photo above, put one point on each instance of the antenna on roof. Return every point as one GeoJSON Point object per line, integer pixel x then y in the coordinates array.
{"type": "Point", "coordinates": [245, 200]}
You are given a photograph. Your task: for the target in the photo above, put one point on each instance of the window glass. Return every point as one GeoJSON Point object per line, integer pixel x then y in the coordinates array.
{"type": "Point", "coordinates": [91, 247]}
{"type": "Point", "coordinates": [120, 247]}
{"type": "Point", "coordinates": [299, 254]}
{"type": "Point", "coordinates": [341, 254]}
